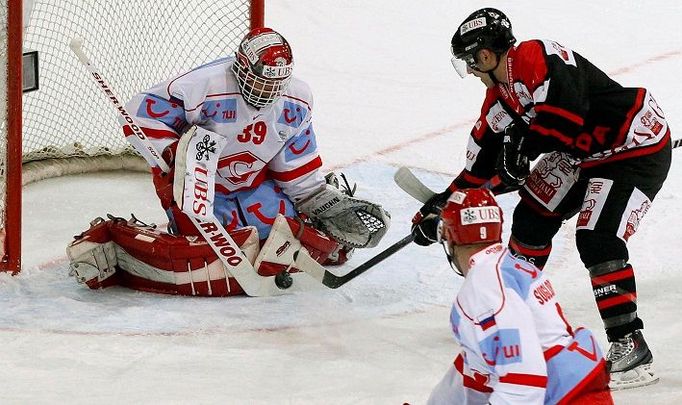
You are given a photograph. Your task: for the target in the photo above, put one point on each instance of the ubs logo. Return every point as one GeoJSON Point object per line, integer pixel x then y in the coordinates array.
{"type": "Point", "coordinates": [205, 148]}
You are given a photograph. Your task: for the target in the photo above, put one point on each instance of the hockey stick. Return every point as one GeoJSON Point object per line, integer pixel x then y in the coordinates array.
{"type": "Point", "coordinates": [213, 232]}
{"type": "Point", "coordinates": [302, 260]}
{"type": "Point", "coordinates": [409, 183]}
{"type": "Point", "coordinates": [76, 46]}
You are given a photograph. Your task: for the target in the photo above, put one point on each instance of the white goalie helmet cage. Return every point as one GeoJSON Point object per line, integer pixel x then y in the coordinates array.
{"type": "Point", "coordinates": [263, 66]}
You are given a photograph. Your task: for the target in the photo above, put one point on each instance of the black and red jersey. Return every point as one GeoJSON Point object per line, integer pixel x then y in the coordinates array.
{"type": "Point", "coordinates": [569, 105]}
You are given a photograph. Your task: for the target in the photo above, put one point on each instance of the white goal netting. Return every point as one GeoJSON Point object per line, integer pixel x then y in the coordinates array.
{"type": "Point", "coordinates": [134, 43]}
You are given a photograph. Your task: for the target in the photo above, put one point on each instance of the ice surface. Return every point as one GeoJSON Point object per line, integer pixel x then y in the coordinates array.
{"type": "Point", "coordinates": [386, 95]}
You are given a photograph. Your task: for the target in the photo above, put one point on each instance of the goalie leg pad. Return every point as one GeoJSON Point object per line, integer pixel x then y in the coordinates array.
{"type": "Point", "coordinates": [150, 260]}
{"type": "Point", "coordinates": [92, 257]}
{"type": "Point", "coordinates": [287, 236]}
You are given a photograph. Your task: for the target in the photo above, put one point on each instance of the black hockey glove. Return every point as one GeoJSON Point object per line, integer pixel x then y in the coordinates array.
{"type": "Point", "coordinates": [513, 165]}
{"type": "Point", "coordinates": [425, 232]}
{"type": "Point", "coordinates": [425, 221]}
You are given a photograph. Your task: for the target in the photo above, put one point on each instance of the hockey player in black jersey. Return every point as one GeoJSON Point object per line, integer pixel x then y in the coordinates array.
{"type": "Point", "coordinates": [604, 152]}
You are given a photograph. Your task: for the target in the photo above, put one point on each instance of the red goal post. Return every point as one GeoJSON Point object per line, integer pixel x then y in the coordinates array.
{"type": "Point", "coordinates": [67, 126]}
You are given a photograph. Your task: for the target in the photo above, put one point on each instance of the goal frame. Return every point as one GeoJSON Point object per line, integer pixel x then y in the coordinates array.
{"type": "Point", "coordinates": [10, 253]}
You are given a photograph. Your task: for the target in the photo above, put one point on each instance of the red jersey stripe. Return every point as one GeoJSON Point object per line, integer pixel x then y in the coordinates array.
{"type": "Point", "coordinates": [596, 381]}
{"type": "Point", "coordinates": [552, 132]}
{"type": "Point", "coordinates": [575, 118]}
{"type": "Point", "coordinates": [636, 152]}
{"type": "Point", "coordinates": [639, 102]}
{"type": "Point", "coordinates": [552, 351]}
{"type": "Point", "coordinates": [531, 380]}
{"type": "Point", "coordinates": [469, 382]}
{"type": "Point", "coordinates": [298, 172]}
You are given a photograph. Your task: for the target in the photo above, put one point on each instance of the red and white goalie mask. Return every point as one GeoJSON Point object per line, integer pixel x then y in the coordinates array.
{"type": "Point", "coordinates": [470, 216]}
{"type": "Point", "coordinates": [263, 66]}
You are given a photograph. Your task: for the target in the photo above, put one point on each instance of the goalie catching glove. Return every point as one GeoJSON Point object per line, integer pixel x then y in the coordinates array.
{"type": "Point", "coordinates": [349, 220]}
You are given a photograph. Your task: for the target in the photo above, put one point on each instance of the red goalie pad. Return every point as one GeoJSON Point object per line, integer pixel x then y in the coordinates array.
{"type": "Point", "coordinates": [286, 237]}
{"type": "Point", "coordinates": [118, 252]}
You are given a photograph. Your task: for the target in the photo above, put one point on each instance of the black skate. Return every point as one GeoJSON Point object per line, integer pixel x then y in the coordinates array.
{"type": "Point", "coordinates": [629, 361]}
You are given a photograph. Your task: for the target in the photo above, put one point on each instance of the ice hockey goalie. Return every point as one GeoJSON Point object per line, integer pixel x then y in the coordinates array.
{"type": "Point", "coordinates": [135, 255]}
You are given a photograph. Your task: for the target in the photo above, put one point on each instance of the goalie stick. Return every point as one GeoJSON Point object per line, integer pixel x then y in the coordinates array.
{"type": "Point", "coordinates": [213, 232]}
{"type": "Point", "coordinates": [76, 46]}
{"type": "Point", "coordinates": [318, 272]}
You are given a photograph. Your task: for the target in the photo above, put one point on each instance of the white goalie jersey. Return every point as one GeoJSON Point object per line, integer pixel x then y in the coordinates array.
{"type": "Point", "coordinates": [276, 141]}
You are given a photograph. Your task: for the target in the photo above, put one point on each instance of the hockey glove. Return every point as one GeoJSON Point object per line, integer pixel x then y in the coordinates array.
{"type": "Point", "coordinates": [425, 232]}
{"type": "Point", "coordinates": [163, 182]}
{"type": "Point", "coordinates": [351, 221]}
{"type": "Point", "coordinates": [513, 165]}
{"type": "Point", "coordinates": [425, 221]}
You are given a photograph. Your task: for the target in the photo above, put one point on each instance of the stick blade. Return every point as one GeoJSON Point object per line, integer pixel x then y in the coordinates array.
{"type": "Point", "coordinates": [76, 45]}
{"type": "Point", "coordinates": [407, 181]}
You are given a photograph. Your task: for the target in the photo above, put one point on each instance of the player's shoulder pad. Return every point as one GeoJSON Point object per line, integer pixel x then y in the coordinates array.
{"type": "Point", "coordinates": [483, 288]}
{"type": "Point", "coordinates": [298, 91]}
{"type": "Point", "coordinates": [555, 51]}
{"type": "Point", "coordinates": [519, 275]}
{"type": "Point", "coordinates": [529, 62]}
{"type": "Point", "coordinates": [193, 85]}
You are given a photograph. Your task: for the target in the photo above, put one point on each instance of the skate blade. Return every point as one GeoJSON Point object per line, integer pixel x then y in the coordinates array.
{"type": "Point", "coordinates": [639, 376]}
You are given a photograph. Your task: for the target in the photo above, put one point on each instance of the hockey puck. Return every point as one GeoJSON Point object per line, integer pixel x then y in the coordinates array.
{"type": "Point", "coordinates": [283, 280]}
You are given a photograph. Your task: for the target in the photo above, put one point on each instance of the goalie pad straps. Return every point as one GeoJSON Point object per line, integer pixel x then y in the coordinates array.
{"type": "Point", "coordinates": [92, 256]}
{"type": "Point", "coordinates": [117, 252]}
{"type": "Point", "coordinates": [351, 221]}
{"type": "Point", "coordinates": [287, 236]}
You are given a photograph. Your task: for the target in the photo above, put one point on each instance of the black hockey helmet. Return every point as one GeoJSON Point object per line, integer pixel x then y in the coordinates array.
{"type": "Point", "coordinates": [487, 28]}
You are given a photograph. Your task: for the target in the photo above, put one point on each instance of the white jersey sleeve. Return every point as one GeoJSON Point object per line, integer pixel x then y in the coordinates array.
{"type": "Point", "coordinates": [166, 110]}
{"type": "Point", "coordinates": [518, 361]}
{"type": "Point", "coordinates": [162, 120]}
{"type": "Point", "coordinates": [296, 168]}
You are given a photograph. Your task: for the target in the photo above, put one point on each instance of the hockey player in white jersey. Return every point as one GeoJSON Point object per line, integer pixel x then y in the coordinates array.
{"type": "Point", "coordinates": [517, 346]}
{"type": "Point", "coordinates": [250, 120]}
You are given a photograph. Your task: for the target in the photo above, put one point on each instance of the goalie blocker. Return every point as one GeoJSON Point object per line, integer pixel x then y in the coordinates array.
{"type": "Point", "coordinates": [141, 257]}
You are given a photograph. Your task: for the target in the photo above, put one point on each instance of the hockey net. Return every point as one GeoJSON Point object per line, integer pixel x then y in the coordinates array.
{"type": "Point", "coordinates": [68, 124]}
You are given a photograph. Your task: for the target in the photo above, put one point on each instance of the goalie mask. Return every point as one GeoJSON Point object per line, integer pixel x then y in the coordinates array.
{"type": "Point", "coordinates": [263, 66]}
{"type": "Point", "coordinates": [470, 216]}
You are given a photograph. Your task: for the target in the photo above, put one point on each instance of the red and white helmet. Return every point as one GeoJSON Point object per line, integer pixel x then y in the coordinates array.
{"type": "Point", "coordinates": [471, 216]}
{"type": "Point", "coordinates": [263, 66]}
